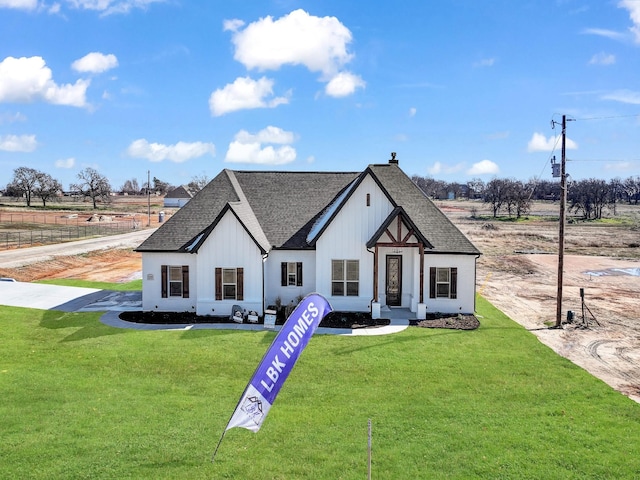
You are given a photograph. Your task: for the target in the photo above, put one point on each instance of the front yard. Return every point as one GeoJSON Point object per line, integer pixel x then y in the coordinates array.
{"type": "Point", "coordinates": [84, 400]}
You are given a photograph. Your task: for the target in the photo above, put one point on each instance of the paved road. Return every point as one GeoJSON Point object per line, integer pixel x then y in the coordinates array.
{"type": "Point", "coordinates": [24, 256]}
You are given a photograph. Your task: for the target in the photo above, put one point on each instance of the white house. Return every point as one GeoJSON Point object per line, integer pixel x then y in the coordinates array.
{"type": "Point", "coordinates": [364, 240]}
{"type": "Point", "coordinates": [178, 197]}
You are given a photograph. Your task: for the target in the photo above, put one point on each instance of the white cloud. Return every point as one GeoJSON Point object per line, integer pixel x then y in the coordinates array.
{"type": "Point", "coordinates": [602, 59]}
{"type": "Point", "coordinates": [248, 148]}
{"type": "Point", "coordinates": [539, 143]}
{"type": "Point", "coordinates": [18, 143]}
{"type": "Point", "coordinates": [95, 62]}
{"type": "Point", "coordinates": [180, 152]}
{"type": "Point", "coordinates": [623, 96]}
{"type": "Point", "coordinates": [485, 62]}
{"type": "Point", "coordinates": [109, 7]}
{"type": "Point", "coordinates": [601, 32]}
{"type": "Point", "coordinates": [633, 6]}
{"type": "Point", "coordinates": [442, 168]}
{"type": "Point", "coordinates": [19, 4]}
{"type": "Point", "coordinates": [344, 84]}
{"type": "Point", "coordinates": [484, 167]}
{"type": "Point", "coordinates": [29, 79]}
{"type": "Point", "coordinates": [413, 111]}
{"type": "Point", "coordinates": [232, 25]}
{"type": "Point", "coordinates": [318, 43]}
{"type": "Point", "coordinates": [66, 163]}
{"type": "Point", "coordinates": [244, 93]}
{"type": "Point", "coordinates": [267, 135]}
{"type": "Point", "coordinates": [12, 118]}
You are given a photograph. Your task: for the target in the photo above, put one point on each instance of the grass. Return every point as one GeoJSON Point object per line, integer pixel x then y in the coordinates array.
{"type": "Point", "coordinates": [134, 285]}
{"type": "Point", "coordinates": [84, 400]}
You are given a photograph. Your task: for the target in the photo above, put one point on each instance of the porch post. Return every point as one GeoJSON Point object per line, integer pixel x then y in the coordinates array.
{"type": "Point", "coordinates": [421, 272]}
{"type": "Point", "coordinates": [375, 274]}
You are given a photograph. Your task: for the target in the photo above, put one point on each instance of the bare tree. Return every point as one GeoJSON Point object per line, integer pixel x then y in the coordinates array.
{"type": "Point", "coordinates": [631, 188]}
{"type": "Point", "coordinates": [24, 181]}
{"type": "Point", "coordinates": [93, 185]}
{"type": "Point", "coordinates": [198, 182]}
{"type": "Point", "coordinates": [476, 188]}
{"type": "Point", "coordinates": [161, 187]}
{"type": "Point", "coordinates": [495, 193]}
{"type": "Point", "coordinates": [589, 197]}
{"type": "Point", "coordinates": [130, 187]}
{"type": "Point", "coordinates": [46, 187]}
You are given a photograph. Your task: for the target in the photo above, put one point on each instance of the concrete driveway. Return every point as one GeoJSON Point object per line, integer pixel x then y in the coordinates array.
{"type": "Point", "coordinates": [67, 299]}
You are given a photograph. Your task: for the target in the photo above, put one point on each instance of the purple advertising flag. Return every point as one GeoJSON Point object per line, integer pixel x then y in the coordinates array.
{"type": "Point", "coordinates": [277, 363]}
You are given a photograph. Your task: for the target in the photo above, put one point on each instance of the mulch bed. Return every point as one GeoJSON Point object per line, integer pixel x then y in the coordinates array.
{"type": "Point", "coordinates": [454, 321]}
{"type": "Point", "coordinates": [347, 320]}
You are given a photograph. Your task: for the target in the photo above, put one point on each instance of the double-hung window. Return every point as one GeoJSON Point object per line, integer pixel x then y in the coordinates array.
{"type": "Point", "coordinates": [443, 282]}
{"type": "Point", "coordinates": [175, 281]}
{"type": "Point", "coordinates": [229, 283]}
{"type": "Point", "coordinates": [345, 278]}
{"type": "Point", "coordinates": [291, 274]}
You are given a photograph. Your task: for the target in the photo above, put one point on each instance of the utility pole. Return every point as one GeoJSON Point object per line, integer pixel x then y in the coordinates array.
{"type": "Point", "coordinates": [563, 207]}
{"type": "Point", "coordinates": [148, 198]}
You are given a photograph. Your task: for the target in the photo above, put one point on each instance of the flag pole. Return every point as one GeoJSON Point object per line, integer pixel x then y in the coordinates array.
{"type": "Point", "coordinates": [213, 457]}
{"type": "Point", "coordinates": [369, 449]}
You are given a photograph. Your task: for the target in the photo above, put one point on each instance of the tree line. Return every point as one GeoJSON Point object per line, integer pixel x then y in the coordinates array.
{"type": "Point", "coordinates": [587, 198]}
{"type": "Point", "coordinates": [30, 184]}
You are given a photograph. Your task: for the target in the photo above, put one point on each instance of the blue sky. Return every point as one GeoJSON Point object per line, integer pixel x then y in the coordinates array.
{"type": "Point", "coordinates": [460, 89]}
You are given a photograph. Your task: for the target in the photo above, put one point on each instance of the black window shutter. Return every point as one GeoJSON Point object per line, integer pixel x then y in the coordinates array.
{"type": "Point", "coordinates": [218, 287]}
{"type": "Point", "coordinates": [164, 280]}
{"type": "Point", "coordinates": [299, 273]}
{"type": "Point", "coordinates": [283, 274]}
{"type": "Point", "coordinates": [240, 286]}
{"type": "Point", "coordinates": [185, 281]}
{"type": "Point", "coordinates": [432, 282]}
{"type": "Point", "coordinates": [454, 282]}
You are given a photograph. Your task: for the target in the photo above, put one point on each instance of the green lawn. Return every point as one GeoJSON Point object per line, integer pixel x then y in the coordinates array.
{"type": "Point", "coordinates": [83, 400]}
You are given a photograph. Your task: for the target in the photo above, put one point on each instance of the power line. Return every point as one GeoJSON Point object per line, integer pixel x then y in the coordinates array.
{"type": "Point", "coordinates": [608, 117]}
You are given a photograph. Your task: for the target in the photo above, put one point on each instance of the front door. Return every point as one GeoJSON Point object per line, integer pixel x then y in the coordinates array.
{"type": "Point", "coordinates": [394, 280]}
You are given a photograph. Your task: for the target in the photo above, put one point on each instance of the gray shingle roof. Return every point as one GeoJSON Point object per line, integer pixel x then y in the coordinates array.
{"type": "Point", "coordinates": [434, 225]}
{"type": "Point", "coordinates": [279, 209]}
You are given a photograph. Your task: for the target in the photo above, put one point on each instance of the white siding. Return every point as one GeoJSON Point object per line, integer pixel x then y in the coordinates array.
{"type": "Point", "coordinates": [152, 282]}
{"type": "Point", "coordinates": [228, 246]}
{"type": "Point", "coordinates": [273, 287]}
{"type": "Point", "coordinates": [345, 239]}
{"type": "Point", "coordinates": [466, 265]}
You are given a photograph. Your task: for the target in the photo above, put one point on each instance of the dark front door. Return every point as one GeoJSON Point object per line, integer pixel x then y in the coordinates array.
{"type": "Point", "coordinates": [394, 280]}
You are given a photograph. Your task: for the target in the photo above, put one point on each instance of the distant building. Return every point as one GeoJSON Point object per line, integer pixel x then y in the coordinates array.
{"type": "Point", "coordinates": [179, 196]}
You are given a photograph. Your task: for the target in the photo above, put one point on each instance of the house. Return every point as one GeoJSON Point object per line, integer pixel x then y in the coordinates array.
{"type": "Point", "coordinates": [365, 240]}
{"type": "Point", "coordinates": [178, 197]}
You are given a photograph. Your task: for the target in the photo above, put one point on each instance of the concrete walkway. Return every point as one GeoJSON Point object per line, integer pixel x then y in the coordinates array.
{"type": "Point", "coordinates": [77, 299]}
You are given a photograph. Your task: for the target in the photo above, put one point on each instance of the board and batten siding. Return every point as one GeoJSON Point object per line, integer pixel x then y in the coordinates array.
{"type": "Point", "coordinates": [228, 246]}
{"type": "Point", "coordinates": [465, 301]}
{"type": "Point", "coordinates": [345, 239]}
{"type": "Point", "coordinates": [152, 282]}
{"type": "Point", "coordinates": [272, 279]}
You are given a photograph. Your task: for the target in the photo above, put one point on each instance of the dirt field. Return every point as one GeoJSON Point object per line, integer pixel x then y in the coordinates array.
{"type": "Point", "coordinates": [517, 273]}
{"type": "Point", "coordinates": [604, 260]}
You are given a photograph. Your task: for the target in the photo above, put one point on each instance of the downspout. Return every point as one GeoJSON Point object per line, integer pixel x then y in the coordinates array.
{"type": "Point", "coordinates": [264, 261]}
{"type": "Point", "coordinates": [374, 280]}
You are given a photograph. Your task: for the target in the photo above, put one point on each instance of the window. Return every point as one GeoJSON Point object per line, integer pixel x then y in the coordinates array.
{"type": "Point", "coordinates": [175, 281]}
{"type": "Point", "coordinates": [345, 278]}
{"type": "Point", "coordinates": [229, 283]}
{"type": "Point", "coordinates": [291, 274]}
{"type": "Point", "coordinates": [443, 282]}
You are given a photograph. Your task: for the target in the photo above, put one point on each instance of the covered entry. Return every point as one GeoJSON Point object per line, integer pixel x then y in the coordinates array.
{"type": "Point", "coordinates": [396, 234]}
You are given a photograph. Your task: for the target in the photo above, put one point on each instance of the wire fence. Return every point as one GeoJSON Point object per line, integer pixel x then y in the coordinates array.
{"type": "Point", "coordinates": [31, 237]}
